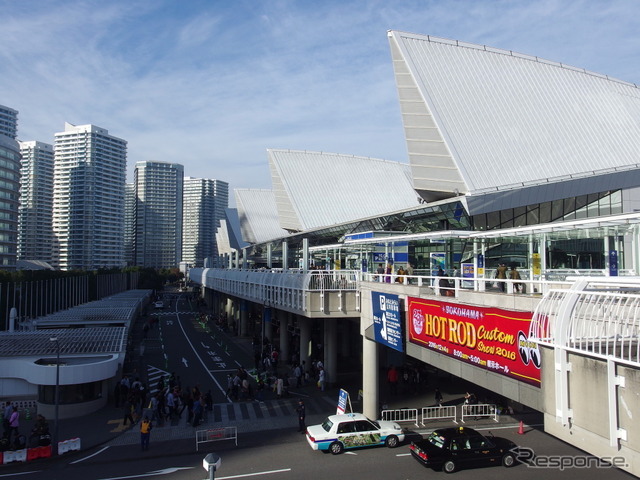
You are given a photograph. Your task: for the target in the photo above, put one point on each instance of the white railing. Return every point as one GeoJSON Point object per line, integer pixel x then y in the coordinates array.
{"type": "Point", "coordinates": [452, 286]}
{"type": "Point", "coordinates": [401, 415]}
{"type": "Point", "coordinates": [478, 410]}
{"type": "Point", "coordinates": [438, 413]}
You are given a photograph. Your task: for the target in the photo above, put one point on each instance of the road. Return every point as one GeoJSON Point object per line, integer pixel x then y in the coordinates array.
{"type": "Point", "coordinates": [285, 455]}
{"type": "Point", "coordinates": [197, 355]}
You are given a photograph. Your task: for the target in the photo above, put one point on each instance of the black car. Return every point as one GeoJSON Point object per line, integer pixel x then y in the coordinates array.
{"type": "Point", "coordinates": [451, 449]}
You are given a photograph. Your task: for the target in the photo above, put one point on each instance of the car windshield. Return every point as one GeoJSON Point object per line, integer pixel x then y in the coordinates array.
{"type": "Point", "coordinates": [436, 440]}
{"type": "Point", "coordinates": [376, 424]}
{"type": "Point", "coordinates": [327, 424]}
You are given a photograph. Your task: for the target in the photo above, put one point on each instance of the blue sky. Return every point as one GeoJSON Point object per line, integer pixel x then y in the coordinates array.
{"type": "Point", "coordinates": [213, 84]}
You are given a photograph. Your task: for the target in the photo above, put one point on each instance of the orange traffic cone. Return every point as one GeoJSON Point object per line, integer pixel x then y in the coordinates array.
{"type": "Point", "coordinates": [521, 429]}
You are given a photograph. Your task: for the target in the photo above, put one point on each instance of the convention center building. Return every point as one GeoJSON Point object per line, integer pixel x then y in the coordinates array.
{"type": "Point", "coordinates": [515, 164]}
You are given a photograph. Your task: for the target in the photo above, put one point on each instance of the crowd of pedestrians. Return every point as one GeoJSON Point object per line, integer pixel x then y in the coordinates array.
{"type": "Point", "coordinates": [167, 404]}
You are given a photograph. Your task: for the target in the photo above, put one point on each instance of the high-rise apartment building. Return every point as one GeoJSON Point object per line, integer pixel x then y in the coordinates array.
{"type": "Point", "coordinates": [88, 198]}
{"type": "Point", "coordinates": [35, 234]}
{"type": "Point", "coordinates": [129, 222]}
{"type": "Point", "coordinates": [158, 214]}
{"type": "Point", "coordinates": [204, 203]}
{"type": "Point", "coordinates": [9, 187]}
{"type": "Point", "coordinates": [8, 122]}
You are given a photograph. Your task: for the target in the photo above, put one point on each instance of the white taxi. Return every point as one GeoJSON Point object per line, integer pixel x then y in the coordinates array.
{"type": "Point", "coordinates": [353, 430]}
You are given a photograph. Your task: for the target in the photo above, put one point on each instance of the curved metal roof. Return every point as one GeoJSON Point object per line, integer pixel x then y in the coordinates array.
{"type": "Point", "coordinates": [479, 119]}
{"type": "Point", "coordinates": [258, 215]}
{"type": "Point", "coordinates": [317, 189]}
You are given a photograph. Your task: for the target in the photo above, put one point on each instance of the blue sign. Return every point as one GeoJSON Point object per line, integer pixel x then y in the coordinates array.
{"type": "Point", "coordinates": [386, 320]}
{"type": "Point", "coordinates": [379, 257]}
{"type": "Point", "coordinates": [613, 263]}
{"type": "Point", "coordinates": [343, 396]}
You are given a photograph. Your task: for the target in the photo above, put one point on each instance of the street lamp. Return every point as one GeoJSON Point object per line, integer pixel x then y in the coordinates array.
{"type": "Point", "coordinates": [57, 394]}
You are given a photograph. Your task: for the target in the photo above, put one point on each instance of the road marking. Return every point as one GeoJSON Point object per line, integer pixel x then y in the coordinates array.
{"type": "Point", "coordinates": [222, 390]}
{"type": "Point", "coordinates": [256, 473]}
{"type": "Point", "coordinates": [164, 471]}
{"type": "Point", "coordinates": [92, 455]}
{"type": "Point", "coordinates": [184, 360]}
{"type": "Point", "coordinates": [20, 473]}
{"type": "Point", "coordinates": [402, 454]}
{"type": "Point", "coordinates": [119, 428]}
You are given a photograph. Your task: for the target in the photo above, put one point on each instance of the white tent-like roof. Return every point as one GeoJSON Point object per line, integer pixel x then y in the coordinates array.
{"type": "Point", "coordinates": [317, 189]}
{"type": "Point", "coordinates": [258, 215]}
{"type": "Point", "coordinates": [479, 119]}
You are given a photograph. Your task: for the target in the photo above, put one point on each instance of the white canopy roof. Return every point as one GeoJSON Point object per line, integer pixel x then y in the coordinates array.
{"type": "Point", "coordinates": [317, 189]}
{"type": "Point", "coordinates": [479, 119]}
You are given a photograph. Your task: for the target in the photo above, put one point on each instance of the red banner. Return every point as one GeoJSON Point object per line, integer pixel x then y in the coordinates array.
{"type": "Point", "coordinates": [490, 338]}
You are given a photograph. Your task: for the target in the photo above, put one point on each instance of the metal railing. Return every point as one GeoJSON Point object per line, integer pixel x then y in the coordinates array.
{"type": "Point", "coordinates": [479, 410]}
{"type": "Point", "coordinates": [401, 415]}
{"type": "Point", "coordinates": [444, 412]}
{"type": "Point", "coordinates": [438, 413]}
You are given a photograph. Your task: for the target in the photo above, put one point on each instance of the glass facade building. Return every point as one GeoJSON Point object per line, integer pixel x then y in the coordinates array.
{"type": "Point", "coordinates": [9, 187]}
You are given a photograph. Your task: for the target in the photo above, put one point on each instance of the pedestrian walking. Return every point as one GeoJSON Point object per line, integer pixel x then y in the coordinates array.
{"type": "Point", "coordinates": [321, 379]}
{"type": "Point", "coordinates": [302, 414]}
{"type": "Point", "coordinates": [8, 410]}
{"type": "Point", "coordinates": [145, 433]}
{"type": "Point", "coordinates": [14, 422]}
{"type": "Point", "coordinates": [438, 396]}
{"type": "Point", "coordinates": [127, 408]}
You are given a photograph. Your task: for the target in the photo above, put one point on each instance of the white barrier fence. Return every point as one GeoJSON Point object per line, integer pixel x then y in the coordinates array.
{"type": "Point", "coordinates": [216, 435]}
{"type": "Point", "coordinates": [479, 410]}
{"type": "Point", "coordinates": [401, 415]}
{"type": "Point", "coordinates": [410, 415]}
{"type": "Point", "coordinates": [438, 413]}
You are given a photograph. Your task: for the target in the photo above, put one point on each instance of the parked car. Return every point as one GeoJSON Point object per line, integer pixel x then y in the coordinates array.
{"type": "Point", "coordinates": [159, 304]}
{"type": "Point", "coordinates": [451, 449]}
{"type": "Point", "coordinates": [353, 430]}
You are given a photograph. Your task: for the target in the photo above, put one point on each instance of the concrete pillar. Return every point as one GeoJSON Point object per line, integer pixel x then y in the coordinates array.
{"type": "Point", "coordinates": [243, 329]}
{"type": "Point", "coordinates": [269, 255]}
{"type": "Point", "coordinates": [370, 378]}
{"type": "Point", "coordinates": [245, 263]}
{"type": "Point", "coordinates": [344, 349]}
{"type": "Point", "coordinates": [284, 337]}
{"type": "Point", "coordinates": [305, 254]}
{"type": "Point", "coordinates": [285, 256]}
{"type": "Point", "coordinates": [267, 319]}
{"type": "Point", "coordinates": [228, 309]}
{"type": "Point", "coordinates": [305, 337]}
{"type": "Point", "coordinates": [330, 327]}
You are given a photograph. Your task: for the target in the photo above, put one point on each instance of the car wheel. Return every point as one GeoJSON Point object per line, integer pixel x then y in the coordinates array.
{"type": "Point", "coordinates": [392, 441]}
{"type": "Point", "coordinates": [336, 448]}
{"type": "Point", "coordinates": [509, 460]}
{"type": "Point", "coordinates": [449, 466]}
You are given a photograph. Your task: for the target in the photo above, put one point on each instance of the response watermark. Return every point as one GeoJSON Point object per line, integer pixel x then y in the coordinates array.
{"type": "Point", "coordinates": [563, 462]}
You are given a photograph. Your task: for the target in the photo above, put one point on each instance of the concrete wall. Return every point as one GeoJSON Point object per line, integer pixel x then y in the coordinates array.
{"type": "Point", "coordinates": [588, 429]}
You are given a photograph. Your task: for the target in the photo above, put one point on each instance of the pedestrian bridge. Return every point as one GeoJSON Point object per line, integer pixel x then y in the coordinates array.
{"type": "Point", "coordinates": [586, 331]}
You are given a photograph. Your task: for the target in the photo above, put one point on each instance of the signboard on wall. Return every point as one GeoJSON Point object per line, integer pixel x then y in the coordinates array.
{"type": "Point", "coordinates": [387, 324]}
{"type": "Point", "coordinates": [489, 338]}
